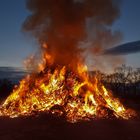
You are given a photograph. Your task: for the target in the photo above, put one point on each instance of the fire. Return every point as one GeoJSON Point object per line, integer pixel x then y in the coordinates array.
{"type": "Point", "coordinates": [63, 91]}
{"type": "Point", "coordinates": [61, 83]}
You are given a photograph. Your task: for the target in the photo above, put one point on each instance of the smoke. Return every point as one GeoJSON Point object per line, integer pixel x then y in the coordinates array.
{"type": "Point", "coordinates": [66, 24]}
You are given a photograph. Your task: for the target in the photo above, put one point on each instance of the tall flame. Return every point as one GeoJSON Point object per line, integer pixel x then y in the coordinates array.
{"type": "Point", "coordinates": [63, 91]}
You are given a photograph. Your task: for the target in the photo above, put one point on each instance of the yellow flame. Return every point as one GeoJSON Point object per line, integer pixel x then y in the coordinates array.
{"type": "Point", "coordinates": [78, 95]}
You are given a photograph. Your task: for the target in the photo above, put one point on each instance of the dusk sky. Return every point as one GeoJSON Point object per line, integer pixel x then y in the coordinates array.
{"type": "Point", "coordinates": [16, 46]}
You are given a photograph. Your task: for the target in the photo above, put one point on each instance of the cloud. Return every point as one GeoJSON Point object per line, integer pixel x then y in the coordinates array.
{"type": "Point", "coordinates": [124, 49]}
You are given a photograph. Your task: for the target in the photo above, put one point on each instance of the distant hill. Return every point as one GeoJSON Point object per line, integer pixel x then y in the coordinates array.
{"type": "Point", "coordinates": [13, 74]}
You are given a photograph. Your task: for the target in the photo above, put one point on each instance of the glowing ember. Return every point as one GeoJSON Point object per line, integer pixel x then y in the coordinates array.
{"type": "Point", "coordinates": [62, 91]}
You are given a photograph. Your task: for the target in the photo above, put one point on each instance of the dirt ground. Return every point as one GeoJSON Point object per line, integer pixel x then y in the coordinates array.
{"type": "Point", "coordinates": [47, 127]}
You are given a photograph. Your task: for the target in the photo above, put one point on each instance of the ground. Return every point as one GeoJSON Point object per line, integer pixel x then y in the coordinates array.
{"type": "Point", "coordinates": [52, 128]}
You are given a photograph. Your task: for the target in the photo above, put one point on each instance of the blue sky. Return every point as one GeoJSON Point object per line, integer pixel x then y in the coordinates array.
{"type": "Point", "coordinates": [129, 24]}
{"type": "Point", "coordinates": [16, 46]}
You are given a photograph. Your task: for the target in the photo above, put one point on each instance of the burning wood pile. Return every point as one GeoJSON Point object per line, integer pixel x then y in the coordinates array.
{"type": "Point", "coordinates": [63, 92]}
{"type": "Point", "coordinates": [61, 83]}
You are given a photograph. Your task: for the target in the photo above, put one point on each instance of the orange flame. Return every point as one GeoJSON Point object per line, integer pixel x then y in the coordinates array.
{"type": "Point", "coordinates": [65, 92]}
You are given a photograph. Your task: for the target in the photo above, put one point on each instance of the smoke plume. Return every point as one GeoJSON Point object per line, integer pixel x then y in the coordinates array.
{"type": "Point", "coordinates": [66, 24]}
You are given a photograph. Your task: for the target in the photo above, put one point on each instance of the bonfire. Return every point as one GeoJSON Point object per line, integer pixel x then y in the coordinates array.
{"type": "Point", "coordinates": [61, 84]}
{"type": "Point", "coordinates": [62, 91]}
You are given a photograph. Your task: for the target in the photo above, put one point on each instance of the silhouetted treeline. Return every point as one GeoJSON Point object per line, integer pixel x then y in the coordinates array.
{"type": "Point", "coordinates": [124, 81]}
